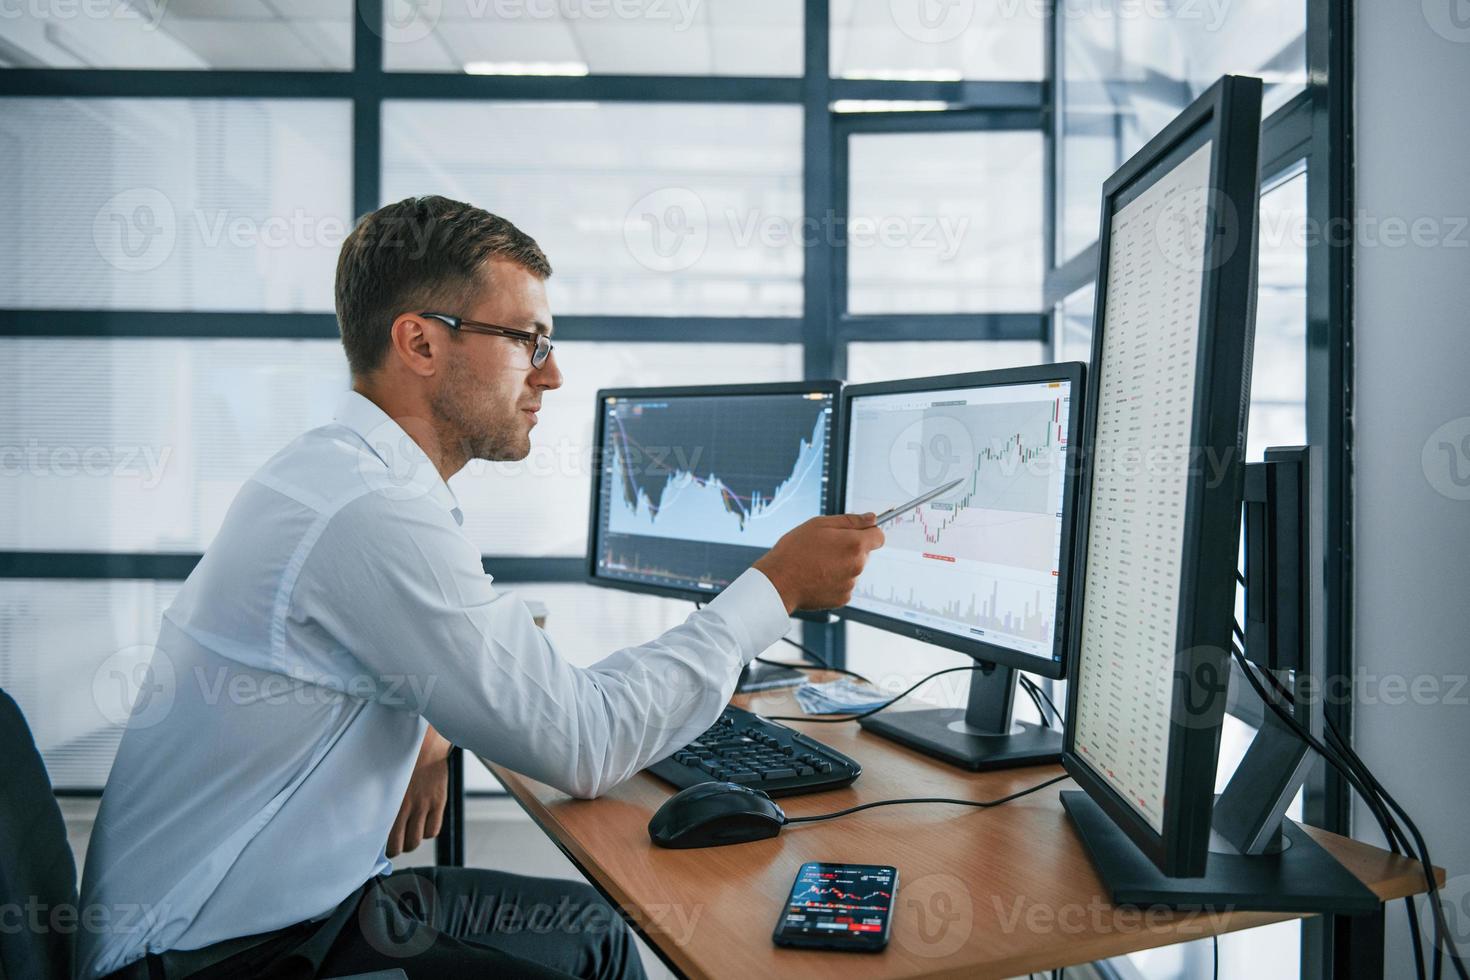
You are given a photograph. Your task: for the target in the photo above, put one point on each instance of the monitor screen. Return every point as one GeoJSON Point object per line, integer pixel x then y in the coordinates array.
{"type": "Point", "coordinates": [693, 485]}
{"type": "Point", "coordinates": [985, 563]}
{"type": "Point", "coordinates": [1132, 575]}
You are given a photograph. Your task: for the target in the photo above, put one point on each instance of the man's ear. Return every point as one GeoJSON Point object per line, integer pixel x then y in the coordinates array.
{"type": "Point", "coordinates": [414, 343]}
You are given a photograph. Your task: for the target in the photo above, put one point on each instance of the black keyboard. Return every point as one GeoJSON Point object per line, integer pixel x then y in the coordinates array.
{"type": "Point", "coordinates": [745, 748]}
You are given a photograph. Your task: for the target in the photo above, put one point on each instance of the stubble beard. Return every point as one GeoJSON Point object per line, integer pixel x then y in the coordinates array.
{"type": "Point", "coordinates": [468, 425]}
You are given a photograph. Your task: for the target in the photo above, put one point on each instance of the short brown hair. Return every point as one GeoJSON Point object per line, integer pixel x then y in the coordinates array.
{"type": "Point", "coordinates": [422, 253]}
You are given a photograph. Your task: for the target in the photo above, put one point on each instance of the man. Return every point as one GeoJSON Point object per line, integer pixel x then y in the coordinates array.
{"type": "Point", "coordinates": [340, 613]}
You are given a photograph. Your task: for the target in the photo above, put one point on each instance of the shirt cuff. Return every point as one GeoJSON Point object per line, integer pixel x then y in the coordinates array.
{"type": "Point", "coordinates": [754, 611]}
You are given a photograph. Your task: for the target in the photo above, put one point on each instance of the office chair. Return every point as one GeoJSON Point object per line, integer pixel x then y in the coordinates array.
{"type": "Point", "coordinates": [36, 863]}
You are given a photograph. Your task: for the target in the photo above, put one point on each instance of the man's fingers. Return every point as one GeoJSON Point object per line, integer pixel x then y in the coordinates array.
{"type": "Point", "coordinates": [855, 521]}
{"type": "Point", "coordinates": [395, 836]}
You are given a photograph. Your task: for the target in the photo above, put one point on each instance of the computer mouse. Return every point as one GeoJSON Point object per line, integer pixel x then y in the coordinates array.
{"type": "Point", "coordinates": [714, 813]}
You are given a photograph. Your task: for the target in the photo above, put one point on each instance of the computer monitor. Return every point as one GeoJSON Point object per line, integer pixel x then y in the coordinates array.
{"type": "Point", "coordinates": [1162, 456]}
{"type": "Point", "coordinates": [694, 484]}
{"type": "Point", "coordinates": [983, 570]}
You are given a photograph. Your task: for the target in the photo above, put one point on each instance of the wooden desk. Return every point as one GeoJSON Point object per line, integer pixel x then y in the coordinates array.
{"type": "Point", "coordinates": [982, 893]}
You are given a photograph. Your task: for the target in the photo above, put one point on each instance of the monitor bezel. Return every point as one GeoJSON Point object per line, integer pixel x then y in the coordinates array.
{"type": "Point", "coordinates": [589, 566]}
{"type": "Point", "coordinates": [1228, 115]}
{"type": "Point", "coordinates": [1072, 372]}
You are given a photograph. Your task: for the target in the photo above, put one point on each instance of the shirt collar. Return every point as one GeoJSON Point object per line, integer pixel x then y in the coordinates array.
{"type": "Point", "coordinates": [400, 467]}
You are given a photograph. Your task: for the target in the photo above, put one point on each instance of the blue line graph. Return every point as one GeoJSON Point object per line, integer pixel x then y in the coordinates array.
{"type": "Point", "coordinates": [700, 507]}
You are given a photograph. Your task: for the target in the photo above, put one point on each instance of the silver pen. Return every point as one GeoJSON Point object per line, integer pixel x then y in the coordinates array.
{"type": "Point", "coordinates": [922, 498]}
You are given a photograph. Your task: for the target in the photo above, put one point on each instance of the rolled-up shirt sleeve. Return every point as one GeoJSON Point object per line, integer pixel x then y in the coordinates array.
{"type": "Point", "coordinates": [397, 586]}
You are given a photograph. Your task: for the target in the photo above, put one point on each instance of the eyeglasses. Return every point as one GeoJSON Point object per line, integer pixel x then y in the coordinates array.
{"type": "Point", "coordinates": [541, 341]}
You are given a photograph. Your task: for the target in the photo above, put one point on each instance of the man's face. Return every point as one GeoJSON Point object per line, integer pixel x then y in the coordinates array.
{"type": "Point", "coordinates": [489, 393]}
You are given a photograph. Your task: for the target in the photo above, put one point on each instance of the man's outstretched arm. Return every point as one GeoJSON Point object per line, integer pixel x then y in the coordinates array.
{"type": "Point", "coordinates": [401, 589]}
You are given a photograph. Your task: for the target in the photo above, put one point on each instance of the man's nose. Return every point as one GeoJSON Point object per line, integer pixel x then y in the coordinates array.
{"type": "Point", "coordinates": [548, 375]}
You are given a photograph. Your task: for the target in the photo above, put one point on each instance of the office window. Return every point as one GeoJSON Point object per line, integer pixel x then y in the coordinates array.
{"type": "Point", "coordinates": [71, 653]}
{"type": "Point", "coordinates": [1074, 325]}
{"type": "Point", "coordinates": [886, 360]}
{"type": "Point", "coordinates": [179, 36]}
{"type": "Point", "coordinates": [643, 208]}
{"type": "Point", "coordinates": [141, 444]}
{"type": "Point", "coordinates": [944, 222]}
{"type": "Point", "coordinates": [1124, 74]}
{"type": "Point", "coordinates": [919, 39]}
{"type": "Point", "coordinates": [173, 204]}
{"type": "Point", "coordinates": [538, 506]}
{"type": "Point", "coordinates": [1278, 412]}
{"type": "Point", "coordinates": [629, 37]}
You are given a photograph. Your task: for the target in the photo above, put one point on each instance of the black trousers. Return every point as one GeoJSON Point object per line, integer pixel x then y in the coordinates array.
{"type": "Point", "coordinates": [446, 923]}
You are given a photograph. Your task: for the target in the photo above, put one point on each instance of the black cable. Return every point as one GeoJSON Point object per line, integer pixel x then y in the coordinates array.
{"type": "Point", "coordinates": [822, 661]}
{"type": "Point", "coordinates": [835, 670]}
{"type": "Point", "coordinates": [1442, 937]}
{"type": "Point", "coordinates": [1442, 934]}
{"type": "Point", "coordinates": [1031, 692]}
{"type": "Point", "coordinates": [1215, 941]}
{"type": "Point", "coordinates": [1392, 832]}
{"type": "Point", "coordinates": [872, 711]}
{"type": "Point", "coordinates": [1049, 703]}
{"type": "Point", "coordinates": [983, 804]}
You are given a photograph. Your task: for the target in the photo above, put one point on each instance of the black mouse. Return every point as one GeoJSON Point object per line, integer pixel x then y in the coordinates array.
{"type": "Point", "coordinates": [711, 814]}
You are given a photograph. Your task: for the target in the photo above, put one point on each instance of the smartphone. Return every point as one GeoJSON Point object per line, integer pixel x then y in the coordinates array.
{"type": "Point", "coordinates": [839, 906]}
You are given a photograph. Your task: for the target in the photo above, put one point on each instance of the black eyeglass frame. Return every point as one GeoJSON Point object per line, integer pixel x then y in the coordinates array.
{"type": "Point", "coordinates": [542, 341]}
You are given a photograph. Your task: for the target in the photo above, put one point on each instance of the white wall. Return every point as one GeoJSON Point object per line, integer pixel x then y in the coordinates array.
{"type": "Point", "coordinates": [1412, 517]}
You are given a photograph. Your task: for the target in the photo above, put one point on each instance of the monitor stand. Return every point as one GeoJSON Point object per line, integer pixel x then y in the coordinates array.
{"type": "Point", "coordinates": [982, 735]}
{"type": "Point", "coordinates": [763, 677]}
{"type": "Point", "coordinates": [1294, 875]}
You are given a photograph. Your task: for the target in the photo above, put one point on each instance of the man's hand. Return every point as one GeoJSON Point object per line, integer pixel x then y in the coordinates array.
{"type": "Point", "coordinates": [815, 565]}
{"type": "Point", "coordinates": [422, 813]}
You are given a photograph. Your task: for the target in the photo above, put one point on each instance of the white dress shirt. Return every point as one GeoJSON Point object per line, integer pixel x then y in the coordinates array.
{"type": "Point", "coordinates": [338, 609]}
